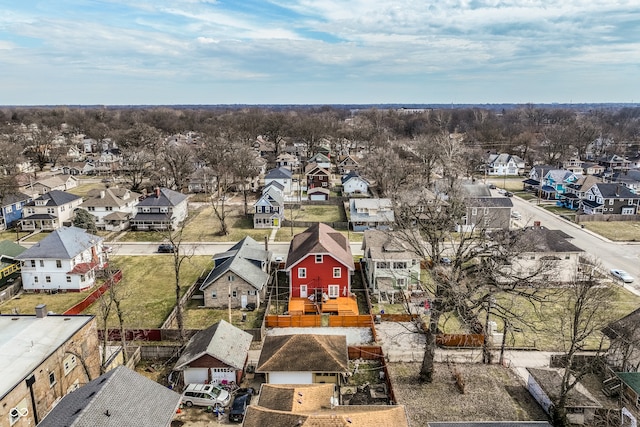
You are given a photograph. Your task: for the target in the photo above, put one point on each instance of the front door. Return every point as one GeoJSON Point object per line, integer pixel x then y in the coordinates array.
{"type": "Point", "coordinates": [334, 291]}
{"type": "Point", "coordinates": [303, 291]}
{"type": "Point", "coordinates": [243, 301]}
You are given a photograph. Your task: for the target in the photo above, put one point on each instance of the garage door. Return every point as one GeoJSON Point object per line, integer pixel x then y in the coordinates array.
{"type": "Point", "coordinates": [196, 375]}
{"type": "Point", "coordinates": [290, 378]}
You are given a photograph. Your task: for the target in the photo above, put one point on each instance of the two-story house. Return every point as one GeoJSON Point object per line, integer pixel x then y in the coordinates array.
{"type": "Point", "coordinates": [388, 262]}
{"type": "Point", "coordinates": [320, 265]}
{"type": "Point", "coordinates": [56, 182]}
{"type": "Point", "coordinates": [630, 179]}
{"type": "Point", "coordinates": [239, 276]}
{"type": "Point", "coordinates": [282, 176]}
{"type": "Point", "coordinates": [317, 176]}
{"type": "Point", "coordinates": [615, 163]}
{"type": "Point", "coordinates": [49, 211]}
{"type": "Point", "coordinates": [164, 209]}
{"type": "Point", "coordinates": [504, 164]}
{"type": "Point", "coordinates": [483, 211]}
{"type": "Point", "coordinates": [554, 183]}
{"type": "Point", "coordinates": [268, 210]}
{"type": "Point", "coordinates": [320, 159]}
{"type": "Point", "coordinates": [353, 183]}
{"type": "Point", "coordinates": [608, 198]}
{"type": "Point", "coordinates": [365, 214]}
{"type": "Point", "coordinates": [347, 164]}
{"type": "Point", "coordinates": [65, 260]}
{"type": "Point", "coordinates": [112, 207]}
{"type": "Point", "coordinates": [288, 161]}
{"type": "Point", "coordinates": [576, 191]}
{"type": "Point", "coordinates": [11, 207]}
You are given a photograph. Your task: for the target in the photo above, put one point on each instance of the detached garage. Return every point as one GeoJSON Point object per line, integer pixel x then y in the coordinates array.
{"type": "Point", "coordinates": [318, 193]}
{"type": "Point", "coordinates": [214, 355]}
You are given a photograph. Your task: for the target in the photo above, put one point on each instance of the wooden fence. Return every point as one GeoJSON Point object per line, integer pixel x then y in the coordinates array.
{"type": "Point", "coordinates": [606, 218]}
{"type": "Point", "coordinates": [314, 320]}
{"type": "Point", "coordinates": [93, 296]}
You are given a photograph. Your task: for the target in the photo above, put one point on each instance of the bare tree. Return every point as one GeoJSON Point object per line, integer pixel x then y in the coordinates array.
{"type": "Point", "coordinates": [178, 161]}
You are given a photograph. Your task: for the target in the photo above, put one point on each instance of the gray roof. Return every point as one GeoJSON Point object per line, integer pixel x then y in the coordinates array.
{"type": "Point", "coordinates": [114, 197]}
{"type": "Point", "coordinates": [386, 245]}
{"type": "Point", "coordinates": [476, 190]}
{"type": "Point", "coordinates": [559, 175]}
{"type": "Point", "coordinates": [489, 202]}
{"type": "Point", "coordinates": [11, 198]}
{"type": "Point", "coordinates": [383, 216]}
{"type": "Point", "coordinates": [614, 191]}
{"type": "Point", "coordinates": [120, 397]}
{"type": "Point", "coordinates": [56, 198]}
{"type": "Point", "coordinates": [352, 175]}
{"type": "Point", "coordinates": [165, 197]}
{"type": "Point", "coordinates": [538, 239]}
{"type": "Point", "coordinates": [244, 259]}
{"type": "Point", "coordinates": [279, 173]}
{"type": "Point", "coordinates": [222, 341]}
{"type": "Point", "coordinates": [63, 243]}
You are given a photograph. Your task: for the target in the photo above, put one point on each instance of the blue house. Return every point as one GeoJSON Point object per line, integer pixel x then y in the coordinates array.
{"type": "Point", "coordinates": [11, 207]}
{"type": "Point", "coordinates": [555, 182]}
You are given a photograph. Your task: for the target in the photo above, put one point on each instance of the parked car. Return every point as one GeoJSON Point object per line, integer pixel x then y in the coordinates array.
{"type": "Point", "coordinates": [239, 406]}
{"type": "Point", "coordinates": [167, 248]}
{"type": "Point", "coordinates": [445, 260]}
{"type": "Point", "coordinates": [205, 395]}
{"type": "Point", "coordinates": [107, 249]}
{"type": "Point", "coordinates": [622, 275]}
{"type": "Point", "coordinates": [492, 186]}
{"type": "Point", "coordinates": [508, 194]}
{"type": "Point", "coordinates": [516, 215]}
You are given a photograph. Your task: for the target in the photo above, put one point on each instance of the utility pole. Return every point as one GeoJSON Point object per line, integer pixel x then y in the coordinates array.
{"type": "Point", "coordinates": [229, 302]}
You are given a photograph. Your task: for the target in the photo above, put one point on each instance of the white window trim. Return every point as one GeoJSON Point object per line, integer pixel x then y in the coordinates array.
{"type": "Point", "coordinates": [302, 273]}
{"type": "Point", "coordinates": [337, 272]}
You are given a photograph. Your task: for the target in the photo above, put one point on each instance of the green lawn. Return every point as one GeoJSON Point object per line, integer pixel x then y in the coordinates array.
{"type": "Point", "coordinates": [58, 303]}
{"type": "Point", "coordinates": [83, 188]}
{"type": "Point", "coordinates": [196, 317]}
{"type": "Point", "coordinates": [204, 226]}
{"type": "Point", "coordinates": [620, 231]}
{"type": "Point", "coordinates": [149, 285]}
{"type": "Point", "coordinates": [11, 235]}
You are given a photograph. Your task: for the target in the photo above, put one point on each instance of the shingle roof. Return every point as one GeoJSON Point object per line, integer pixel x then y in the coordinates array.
{"type": "Point", "coordinates": [221, 341]}
{"type": "Point", "coordinates": [489, 202]}
{"type": "Point", "coordinates": [614, 191]}
{"type": "Point", "coordinates": [56, 198]}
{"type": "Point", "coordinates": [353, 175]}
{"type": "Point", "coordinates": [309, 405]}
{"type": "Point", "coordinates": [10, 250]}
{"type": "Point", "coordinates": [279, 173]}
{"type": "Point", "coordinates": [538, 239]}
{"type": "Point", "coordinates": [165, 198]}
{"type": "Point", "coordinates": [322, 353]}
{"type": "Point", "coordinates": [383, 245]}
{"type": "Point", "coordinates": [320, 239]}
{"type": "Point", "coordinates": [117, 398]}
{"type": "Point", "coordinates": [9, 199]}
{"type": "Point", "coordinates": [63, 243]}
{"type": "Point", "coordinates": [109, 197]}
{"type": "Point", "coordinates": [549, 380]}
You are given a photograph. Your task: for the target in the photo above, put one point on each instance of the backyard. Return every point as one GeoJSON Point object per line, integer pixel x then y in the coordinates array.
{"type": "Point", "coordinates": [619, 231]}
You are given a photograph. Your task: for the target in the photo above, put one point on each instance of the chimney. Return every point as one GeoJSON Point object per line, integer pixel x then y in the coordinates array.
{"type": "Point", "coordinates": [617, 191]}
{"type": "Point", "coordinates": [536, 224]}
{"type": "Point", "coordinates": [157, 191]}
{"type": "Point", "coordinates": [102, 194]}
{"type": "Point", "coordinates": [266, 243]}
{"type": "Point", "coordinates": [41, 311]}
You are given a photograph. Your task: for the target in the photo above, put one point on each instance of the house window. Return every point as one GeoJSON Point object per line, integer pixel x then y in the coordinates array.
{"type": "Point", "coordinates": [69, 363]}
{"type": "Point", "coordinates": [302, 273]}
{"type": "Point", "coordinates": [231, 278]}
{"type": "Point", "coordinates": [474, 211]}
{"type": "Point", "coordinates": [318, 259]}
{"type": "Point", "coordinates": [52, 379]}
{"type": "Point", "coordinates": [253, 293]}
{"type": "Point", "coordinates": [214, 294]}
{"type": "Point", "coordinates": [401, 281]}
{"type": "Point", "coordinates": [82, 278]}
{"type": "Point", "coordinates": [109, 208]}
{"type": "Point", "coordinates": [33, 263]}
{"type": "Point", "coordinates": [47, 279]}
{"type": "Point", "coordinates": [35, 279]}
{"type": "Point", "coordinates": [334, 291]}
{"type": "Point", "coordinates": [8, 209]}
{"type": "Point", "coordinates": [50, 210]}
{"type": "Point", "coordinates": [41, 263]}
{"type": "Point", "coordinates": [92, 208]}
{"type": "Point", "coordinates": [630, 202]}
{"type": "Point", "coordinates": [234, 294]}
{"type": "Point", "coordinates": [58, 263]}
{"type": "Point", "coordinates": [383, 264]}
{"type": "Point", "coordinates": [337, 272]}
{"type": "Point", "coordinates": [486, 211]}
{"type": "Point", "coordinates": [400, 265]}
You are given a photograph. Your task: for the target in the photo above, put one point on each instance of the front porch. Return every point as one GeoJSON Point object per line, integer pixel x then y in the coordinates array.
{"type": "Point", "coordinates": [340, 306]}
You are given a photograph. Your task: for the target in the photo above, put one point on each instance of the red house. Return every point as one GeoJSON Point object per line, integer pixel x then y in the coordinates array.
{"type": "Point", "coordinates": [320, 265]}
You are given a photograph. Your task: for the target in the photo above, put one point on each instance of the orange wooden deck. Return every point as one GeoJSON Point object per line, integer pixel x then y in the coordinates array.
{"type": "Point", "coordinates": [340, 305]}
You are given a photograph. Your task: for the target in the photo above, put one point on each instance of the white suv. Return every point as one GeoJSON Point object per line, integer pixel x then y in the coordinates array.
{"type": "Point", "coordinates": [205, 395]}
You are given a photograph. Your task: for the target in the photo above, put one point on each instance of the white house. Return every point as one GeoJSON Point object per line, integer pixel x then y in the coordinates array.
{"type": "Point", "coordinates": [49, 211]}
{"type": "Point", "coordinates": [164, 209]}
{"type": "Point", "coordinates": [111, 207]}
{"type": "Point", "coordinates": [67, 260]}
{"type": "Point", "coordinates": [353, 183]}
{"type": "Point", "coordinates": [282, 176]}
{"type": "Point", "coordinates": [504, 164]}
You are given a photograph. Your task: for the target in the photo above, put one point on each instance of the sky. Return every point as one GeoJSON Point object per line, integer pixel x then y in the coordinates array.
{"type": "Point", "coordinates": [152, 52]}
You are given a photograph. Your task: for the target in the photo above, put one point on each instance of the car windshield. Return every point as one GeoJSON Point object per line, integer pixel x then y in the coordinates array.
{"type": "Point", "coordinates": [215, 391]}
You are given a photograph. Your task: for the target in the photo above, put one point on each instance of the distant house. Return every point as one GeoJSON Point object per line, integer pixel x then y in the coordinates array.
{"type": "Point", "coordinates": [388, 263]}
{"type": "Point", "coordinates": [607, 198]}
{"type": "Point", "coordinates": [242, 271]}
{"type": "Point", "coordinates": [202, 180]}
{"type": "Point", "coordinates": [282, 176]}
{"type": "Point", "coordinates": [164, 209]}
{"type": "Point", "coordinates": [555, 182]}
{"type": "Point", "coordinates": [67, 260]}
{"type": "Point", "coordinates": [316, 176]}
{"type": "Point", "coordinates": [112, 207]}
{"type": "Point", "coordinates": [592, 169]}
{"type": "Point", "coordinates": [55, 182]}
{"type": "Point", "coordinates": [574, 165]}
{"type": "Point", "coordinates": [320, 265]}
{"type": "Point", "coordinates": [348, 164]}
{"type": "Point", "coordinates": [504, 164]}
{"type": "Point", "coordinates": [282, 405]}
{"type": "Point", "coordinates": [289, 161]}
{"type": "Point", "coordinates": [575, 192]}
{"type": "Point", "coordinates": [321, 160]}
{"type": "Point", "coordinates": [11, 209]}
{"type": "Point", "coordinates": [544, 385]}
{"type": "Point", "coordinates": [304, 359]}
{"type": "Point", "coordinates": [49, 211]}
{"type": "Point", "coordinates": [117, 398]}
{"type": "Point", "coordinates": [353, 183]}
{"type": "Point", "coordinates": [484, 211]}
{"type": "Point", "coordinates": [268, 210]}
{"type": "Point", "coordinates": [215, 354]}
{"type": "Point", "coordinates": [630, 179]}
{"type": "Point", "coordinates": [44, 357]}
{"type": "Point", "coordinates": [615, 163]}
{"type": "Point", "coordinates": [368, 214]}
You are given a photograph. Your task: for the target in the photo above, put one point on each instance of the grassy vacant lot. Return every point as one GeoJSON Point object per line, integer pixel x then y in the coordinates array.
{"type": "Point", "coordinates": [11, 235]}
{"type": "Point", "coordinates": [316, 213]}
{"type": "Point", "coordinates": [511, 183]}
{"type": "Point", "coordinates": [204, 226]}
{"type": "Point", "coordinates": [196, 317]}
{"type": "Point", "coordinates": [285, 234]}
{"type": "Point", "coordinates": [491, 393]}
{"type": "Point", "coordinates": [83, 188]}
{"type": "Point", "coordinates": [149, 285]}
{"type": "Point", "coordinates": [58, 303]}
{"type": "Point", "coordinates": [620, 231]}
